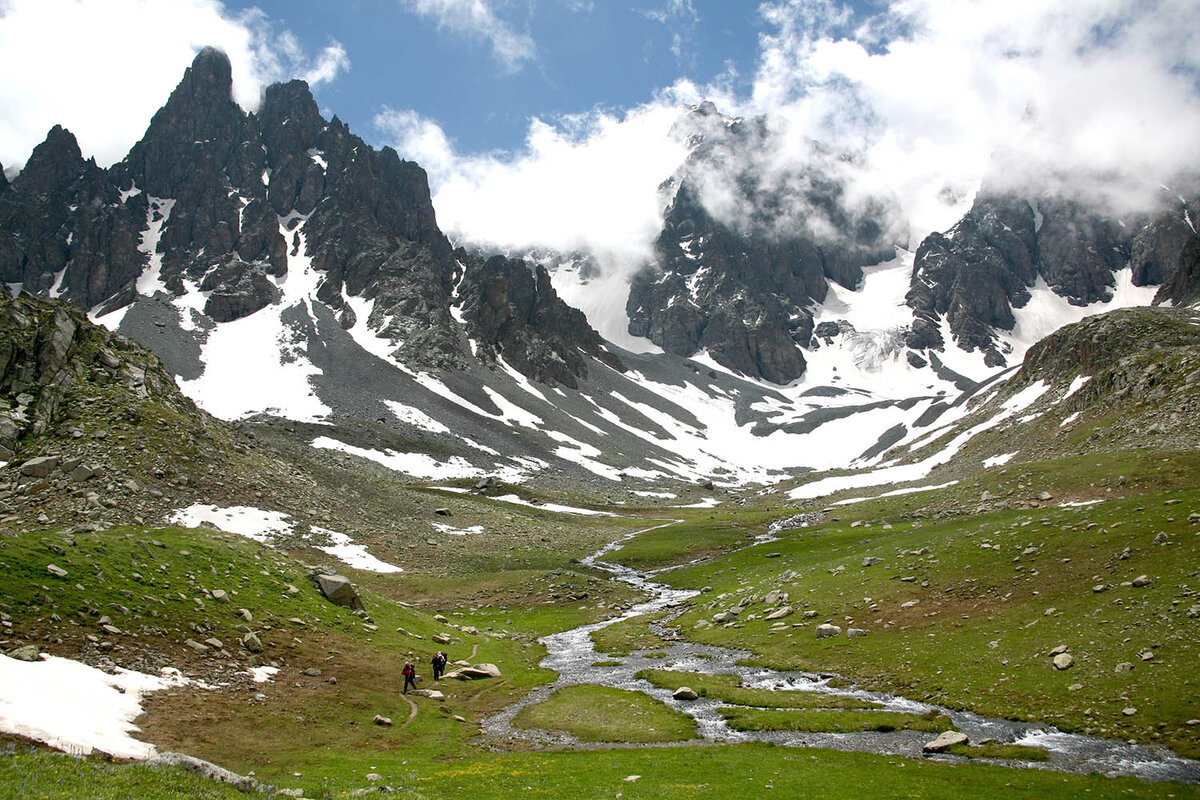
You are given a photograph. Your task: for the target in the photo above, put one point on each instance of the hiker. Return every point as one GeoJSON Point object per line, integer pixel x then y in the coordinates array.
{"type": "Point", "coordinates": [439, 665]}
{"type": "Point", "coordinates": [410, 676]}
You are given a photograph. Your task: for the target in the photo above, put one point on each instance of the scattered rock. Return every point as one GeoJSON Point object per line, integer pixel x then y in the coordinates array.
{"type": "Point", "coordinates": [480, 671]}
{"type": "Point", "coordinates": [1064, 661]}
{"type": "Point", "coordinates": [871, 561]}
{"type": "Point", "coordinates": [685, 693]}
{"type": "Point", "coordinates": [220, 595]}
{"type": "Point", "coordinates": [780, 613]}
{"type": "Point", "coordinates": [1062, 648]}
{"type": "Point", "coordinates": [252, 643]}
{"type": "Point", "coordinates": [826, 630]}
{"type": "Point", "coordinates": [1142, 581]}
{"type": "Point", "coordinates": [29, 652]}
{"type": "Point", "coordinates": [56, 570]}
{"type": "Point", "coordinates": [855, 633]}
{"type": "Point", "coordinates": [382, 721]}
{"type": "Point", "coordinates": [432, 694]}
{"type": "Point", "coordinates": [1124, 666]}
{"type": "Point", "coordinates": [945, 741]}
{"type": "Point", "coordinates": [339, 591]}
{"type": "Point", "coordinates": [40, 467]}
{"type": "Point", "coordinates": [441, 638]}
{"type": "Point", "coordinates": [1129, 711]}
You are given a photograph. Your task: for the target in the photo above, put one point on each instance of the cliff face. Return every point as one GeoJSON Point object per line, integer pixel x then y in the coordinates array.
{"type": "Point", "coordinates": [975, 274]}
{"type": "Point", "coordinates": [746, 248]}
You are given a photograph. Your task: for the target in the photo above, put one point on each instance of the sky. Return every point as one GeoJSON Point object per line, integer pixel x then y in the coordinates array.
{"type": "Point", "coordinates": [553, 122]}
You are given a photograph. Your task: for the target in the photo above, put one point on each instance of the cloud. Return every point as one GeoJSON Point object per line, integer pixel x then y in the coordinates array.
{"type": "Point", "coordinates": [101, 68]}
{"type": "Point", "coordinates": [681, 18]}
{"type": "Point", "coordinates": [1095, 98]}
{"type": "Point", "coordinates": [478, 19]}
{"type": "Point", "coordinates": [1098, 97]}
{"type": "Point", "coordinates": [588, 181]}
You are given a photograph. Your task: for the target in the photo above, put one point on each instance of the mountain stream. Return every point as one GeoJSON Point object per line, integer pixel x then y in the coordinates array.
{"type": "Point", "coordinates": [572, 654]}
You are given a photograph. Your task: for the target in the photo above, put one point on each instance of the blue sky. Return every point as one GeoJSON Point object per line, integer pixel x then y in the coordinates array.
{"type": "Point", "coordinates": [580, 55]}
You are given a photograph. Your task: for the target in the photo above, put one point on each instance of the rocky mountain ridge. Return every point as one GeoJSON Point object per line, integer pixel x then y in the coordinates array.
{"type": "Point", "coordinates": [213, 200]}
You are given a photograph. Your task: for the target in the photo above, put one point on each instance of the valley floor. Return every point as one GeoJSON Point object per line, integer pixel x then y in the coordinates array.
{"type": "Point", "coordinates": [963, 605]}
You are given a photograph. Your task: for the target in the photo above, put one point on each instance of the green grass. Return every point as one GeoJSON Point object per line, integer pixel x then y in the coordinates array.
{"type": "Point", "coordinates": [33, 774]}
{"type": "Point", "coordinates": [821, 721]}
{"type": "Point", "coordinates": [985, 620]}
{"type": "Point", "coordinates": [601, 714]}
{"type": "Point", "coordinates": [622, 638]}
{"type": "Point", "coordinates": [1016, 752]}
{"type": "Point", "coordinates": [728, 689]}
{"type": "Point", "coordinates": [714, 533]}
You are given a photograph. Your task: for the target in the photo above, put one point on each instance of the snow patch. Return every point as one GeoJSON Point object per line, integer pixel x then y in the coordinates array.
{"type": "Point", "coordinates": [77, 708]}
{"type": "Point", "coordinates": [996, 461]}
{"type": "Point", "coordinates": [355, 555]}
{"type": "Point", "coordinates": [253, 523]}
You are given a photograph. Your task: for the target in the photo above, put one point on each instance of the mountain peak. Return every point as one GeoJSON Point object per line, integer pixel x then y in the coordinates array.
{"type": "Point", "coordinates": [53, 165]}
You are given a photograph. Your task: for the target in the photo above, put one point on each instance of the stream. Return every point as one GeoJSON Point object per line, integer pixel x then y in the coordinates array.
{"type": "Point", "coordinates": [572, 654]}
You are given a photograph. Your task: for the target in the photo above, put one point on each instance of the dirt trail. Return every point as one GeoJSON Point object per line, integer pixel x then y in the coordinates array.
{"type": "Point", "coordinates": [412, 711]}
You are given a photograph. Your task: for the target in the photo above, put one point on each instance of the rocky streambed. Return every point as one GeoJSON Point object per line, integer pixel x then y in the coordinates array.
{"type": "Point", "coordinates": [573, 655]}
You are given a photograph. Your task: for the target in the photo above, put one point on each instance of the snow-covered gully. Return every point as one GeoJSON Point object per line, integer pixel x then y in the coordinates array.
{"type": "Point", "coordinates": [572, 654]}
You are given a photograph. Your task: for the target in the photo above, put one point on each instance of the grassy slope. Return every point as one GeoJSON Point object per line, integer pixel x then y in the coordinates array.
{"type": "Point", "coordinates": [985, 619]}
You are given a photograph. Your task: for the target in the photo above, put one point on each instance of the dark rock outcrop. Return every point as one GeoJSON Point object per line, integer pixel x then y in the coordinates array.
{"type": "Point", "coordinates": [750, 239]}
{"type": "Point", "coordinates": [215, 200]}
{"type": "Point", "coordinates": [974, 275]}
{"type": "Point", "coordinates": [512, 310]}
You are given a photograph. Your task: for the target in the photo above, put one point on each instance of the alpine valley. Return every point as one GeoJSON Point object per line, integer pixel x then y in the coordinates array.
{"type": "Point", "coordinates": [245, 359]}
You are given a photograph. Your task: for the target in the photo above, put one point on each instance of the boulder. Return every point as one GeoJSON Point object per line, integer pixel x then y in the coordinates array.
{"type": "Point", "coordinates": [252, 643]}
{"type": "Point", "coordinates": [480, 671]}
{"type": "Point", "coordinates": [1142, 581]}
{"type": "Point", "coordinates": [432, 694]}
{"type": "Point", "coordinates": [1064, 661]}
{"type": "Point", "coordinates": [382, 720]}
{"type": "Point", "coordinates": [945, 741]}
{"type": "Point", "coordinates": [780, 613]}
{"type": "Point", "coordinates": [56, 570]}
{"type": "Point", "coordinates": [339, 591]}
{"type": "Point", "coordinates": [685, 693]}
{"type": "Point", "coordinates": [855, 633]}
{"type": "Point", "coordinates": [40, 467]}
{"type": "Point", "coordinates": [27, 653]}
{"type": "Point", "coordinates": [826, 631]}
{"type": "Point", "coordinates": [220, 595]}
{"type": "Point", "coordinates": [441, 638]}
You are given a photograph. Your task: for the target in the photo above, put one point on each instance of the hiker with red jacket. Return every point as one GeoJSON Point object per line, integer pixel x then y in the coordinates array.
{"type": "Point", "coordinates": [410, 676]}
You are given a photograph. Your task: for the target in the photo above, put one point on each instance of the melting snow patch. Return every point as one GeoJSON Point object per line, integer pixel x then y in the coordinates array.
{"type": "Point", "coordinates": [664, 495]}
{"type": "Point", "coordinates": [419, 465]}
{"type": "Point", "coordinates": [77, 708]}
{"type": "Point", "coordinates": [1069, 419]}
{"type": "Point", "coordinates": [415, 417]}
{"type": "Point", "coordinates": [453, 531]}
{"type": "Point", "coordinates": [253, 523]}
{"type": "Point", "coordinates": [708, 502]}
{"type": "Point", "coordinates": [586, 512]}
{"type": "Point", "coordinates": [354, 555]}
{"type": "Point", "coordinates": [896, 493]}
{"type": "Point", "coordinates": [262, 674]}
{"type": "Point", "coordinates": [996, 461]}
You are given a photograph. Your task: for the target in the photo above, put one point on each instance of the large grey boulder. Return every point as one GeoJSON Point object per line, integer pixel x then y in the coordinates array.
{"type": "Point", "coordinates": [339, 591]}
{"type": "Point", "coordinates": [945, 741]}
{"type": "Point", "coordinates": [480, 671]}
{"type": "Point", "coordinates": [828, 631]}
{"type": "Point", "coordinates": [40, 467]}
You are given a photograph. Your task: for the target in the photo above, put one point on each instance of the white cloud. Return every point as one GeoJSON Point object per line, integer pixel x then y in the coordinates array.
{"type": "Point", "coordinates": [64, 66]}
{"type": "Point", "coordinates": [589, 181]}
{"type": "Point", "coordinates": [478, 19]}
{"type": "Point", "coordinates": [936, 96]}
